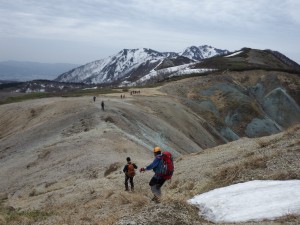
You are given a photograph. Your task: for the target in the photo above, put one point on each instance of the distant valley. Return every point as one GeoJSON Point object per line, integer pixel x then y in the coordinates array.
{"type": "Point", "coordinates": [26, 71]}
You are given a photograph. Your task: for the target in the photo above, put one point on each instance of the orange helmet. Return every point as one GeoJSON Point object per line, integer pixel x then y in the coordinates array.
{"type": "Point", "coordinates": [156, 149]}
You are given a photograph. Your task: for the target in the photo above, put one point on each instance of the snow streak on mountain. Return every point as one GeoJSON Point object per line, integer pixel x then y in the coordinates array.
{"type": "Point", "coordinates": [131, 65]}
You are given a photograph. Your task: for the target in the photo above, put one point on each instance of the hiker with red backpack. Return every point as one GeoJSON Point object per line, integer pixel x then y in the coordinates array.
{"type": "Point", "coordinates": [129, 170]}
{"type": "Point", "coordinates": [163, 168]}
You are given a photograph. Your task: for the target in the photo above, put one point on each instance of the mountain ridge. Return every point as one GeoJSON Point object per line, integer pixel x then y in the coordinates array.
{"type": "Point", "coordinates": [116, 68]}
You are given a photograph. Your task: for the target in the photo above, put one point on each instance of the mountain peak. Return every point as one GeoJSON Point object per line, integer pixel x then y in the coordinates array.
{"type": "Point", "coordinates": [202, 52]}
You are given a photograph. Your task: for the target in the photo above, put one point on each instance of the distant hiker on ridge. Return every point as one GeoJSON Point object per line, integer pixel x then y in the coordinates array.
{"type": "Point", "coordinates": [163, 168]}
{"type": "Point", "coordinates": [102, 105]}
{"type": "Point", "coordinates": [129, 170]}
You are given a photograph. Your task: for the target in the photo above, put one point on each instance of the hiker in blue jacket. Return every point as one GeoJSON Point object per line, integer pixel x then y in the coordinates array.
{"type": "Point", "coordinates": [156, 181]}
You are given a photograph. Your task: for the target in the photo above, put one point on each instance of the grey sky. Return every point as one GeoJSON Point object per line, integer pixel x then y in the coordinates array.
{"type": "Point", "coordinates": [86, 30]}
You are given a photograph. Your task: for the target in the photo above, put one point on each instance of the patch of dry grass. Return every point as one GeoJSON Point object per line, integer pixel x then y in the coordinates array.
{"type": "Point", "coordinates": [33, 193]}
{"type": "Point", "coordinates": [267, 143]}
{"type": "Point", "coordinates": [11, 216]}
{"type": "Point", "coordinates": [109, 194]}
{"type": "Point", "coordinates": [189, 185]}
{"type": "Point", "coordinates": [174, 184]}
{"type": "Point", "coordinates": [256, 162]}
{"type": "Point", "coordinates": [49, 184]}
{"type": "Point", "coordinates": [92, 174]}
{"type": "Point", "coordinates": [112, 168]}
{"type": "Point", "coordinates": [110, 219]}
{"type": "Point", "coordinates": [109, 119]}
{"type": "Point", "coordinates": [289, 219]}
{"type": "Point", "coordinates": [135, 199]}
{"type": "Point", "coordinates": [285, 175]}
{"type": "Point", "coordinates": [228, 175]}
{"type": "Point", "coordinates": [179, 212]}
{"type": "Point", "coordinates": [124, 199]}
{"type": "Point", "coordinates": [292, 130]}
{"type": "Point", "coordinates": [294, 143]}
{"type": "Point", "coordinates": [140, 202]}
{"type": "Point", "coordinates": [178, 159]}
{"type": "Point", "coordinates": [263, 143]}
{"type": "Point", "coordinates": [249, 154]}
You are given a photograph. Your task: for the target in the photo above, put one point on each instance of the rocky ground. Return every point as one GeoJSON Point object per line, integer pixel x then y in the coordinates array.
{"type": "Point", "coordinates": [61, 159]}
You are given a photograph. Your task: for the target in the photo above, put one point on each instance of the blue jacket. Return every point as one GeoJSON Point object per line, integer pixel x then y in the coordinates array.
{"type": "Point", "coordinates": [155, 165]}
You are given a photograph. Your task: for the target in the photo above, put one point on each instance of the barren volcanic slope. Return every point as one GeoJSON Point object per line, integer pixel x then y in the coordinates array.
{"type": "Point", "coordinates": [61, 158]}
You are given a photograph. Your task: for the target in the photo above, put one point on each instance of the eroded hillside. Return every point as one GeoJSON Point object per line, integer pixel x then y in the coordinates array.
{"type": "Point", "coordinates": [242, 104]}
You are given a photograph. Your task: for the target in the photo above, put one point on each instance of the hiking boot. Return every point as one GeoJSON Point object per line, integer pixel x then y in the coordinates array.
{"type": "Point", "coordinates": [132, 189]}
{"type": "Point", "coordinates": [126, 189]}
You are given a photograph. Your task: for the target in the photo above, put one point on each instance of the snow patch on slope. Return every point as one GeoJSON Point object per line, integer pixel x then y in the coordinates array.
{"type": "Point", "coordinates": [234, 54]}
{"type": "Point", "coordinates": [251, 201]}
{"type": "Point", "coordinates": [169, 72]}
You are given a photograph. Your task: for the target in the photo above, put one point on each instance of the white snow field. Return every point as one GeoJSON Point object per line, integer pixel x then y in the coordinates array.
{"type": "Point", "coordinates": [251, 201]}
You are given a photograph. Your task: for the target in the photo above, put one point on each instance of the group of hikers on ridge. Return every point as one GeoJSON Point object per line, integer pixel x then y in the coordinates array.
{"type": "Point", "coordinates": [162, 167]}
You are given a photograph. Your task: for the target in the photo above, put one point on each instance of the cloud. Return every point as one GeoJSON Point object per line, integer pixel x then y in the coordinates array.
{"type": "Point", "coordinates": [140, 22]}
{"type": "Point", "coordinates": [43, 18]}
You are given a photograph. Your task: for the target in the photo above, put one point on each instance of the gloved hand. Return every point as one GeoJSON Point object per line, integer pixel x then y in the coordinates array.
{"type": "Point", "coordinates": [142, 169]}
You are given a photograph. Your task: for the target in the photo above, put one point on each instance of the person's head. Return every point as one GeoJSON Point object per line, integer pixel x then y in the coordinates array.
{"type": "Point", "coordinates": [128, 159]}
{"type": "Point", "coordinates": [157, 150]}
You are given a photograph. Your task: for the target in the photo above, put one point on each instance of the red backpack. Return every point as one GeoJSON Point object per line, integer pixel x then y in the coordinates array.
{"type": "Point", "coordinates": [166, 166]}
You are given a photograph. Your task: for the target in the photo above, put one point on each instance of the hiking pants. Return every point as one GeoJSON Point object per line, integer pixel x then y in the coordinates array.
{"type": "Point", "coordinates": [156, 183]}
{"type": "Point", "coordinates": [130, 180]}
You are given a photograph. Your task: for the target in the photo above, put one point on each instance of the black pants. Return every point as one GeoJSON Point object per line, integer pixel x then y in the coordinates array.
{"type": "Point", "coordinates": [130, 180]}
{"type": "Point", "coordinates": [156, 183]}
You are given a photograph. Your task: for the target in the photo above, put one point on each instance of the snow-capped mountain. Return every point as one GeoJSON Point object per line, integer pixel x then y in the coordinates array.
{"type": "Point", "coordinates": [116, 67]}
{"type": "Point", "coordinates": [202, 52]}
{"type": "Point", "coordinates": [130, 65]}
